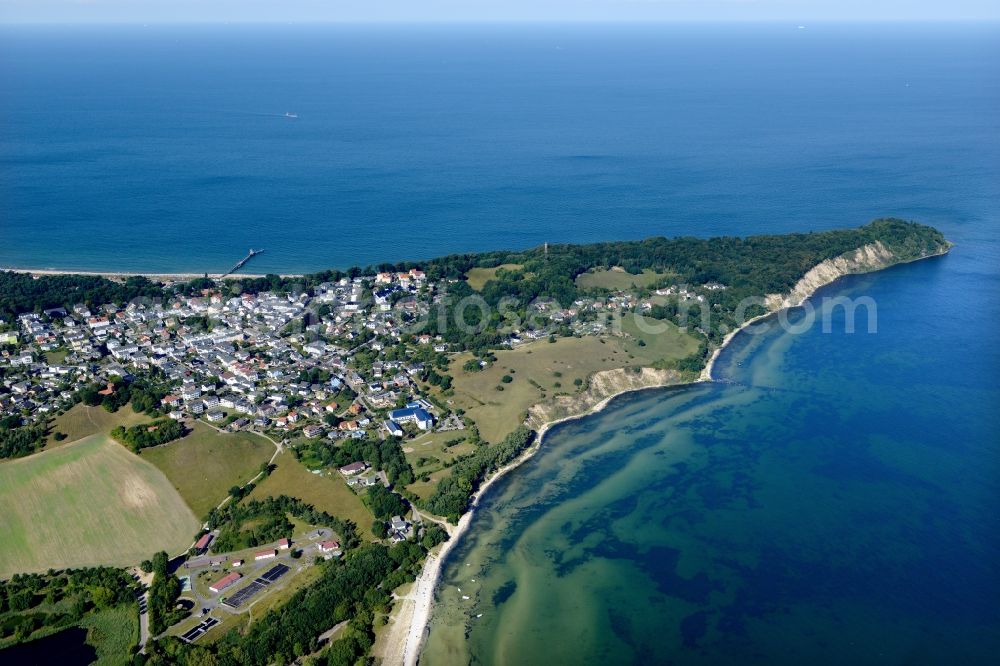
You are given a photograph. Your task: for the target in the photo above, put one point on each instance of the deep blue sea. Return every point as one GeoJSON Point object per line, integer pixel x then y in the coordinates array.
{"type": "Point", "coordinates": [167, 149]}
{"type": "Point", "coordinates": [835, 499]}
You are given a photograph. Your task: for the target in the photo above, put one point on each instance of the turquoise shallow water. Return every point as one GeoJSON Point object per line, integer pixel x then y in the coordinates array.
{"type": "Point", "coordinates": [832, 499]}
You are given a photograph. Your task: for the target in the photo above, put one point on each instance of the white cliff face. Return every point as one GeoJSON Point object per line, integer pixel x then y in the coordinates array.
{"type": "Point", "coordinates": [601, 385]}
{"type": "Point", "coordinates": [871, 257]}
{"type": "Point", "coordinates": [606, 383]}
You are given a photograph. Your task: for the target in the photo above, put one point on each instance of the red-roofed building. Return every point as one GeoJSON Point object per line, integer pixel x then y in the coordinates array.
{"type": "Point", "coordinates": [203, 542]}
{"type": "Point", "coordinates": [265, 554]}
{"type": "Point", "coordinates": [329, 546]}
{"type": "Point", "coordinates": [284, 544]}
{"type": "Point", "coordinates": [224, 582]}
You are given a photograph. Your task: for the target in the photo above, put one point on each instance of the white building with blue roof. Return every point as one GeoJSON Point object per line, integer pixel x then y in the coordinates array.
{"type": "Point", "coordinates": [414, 414]}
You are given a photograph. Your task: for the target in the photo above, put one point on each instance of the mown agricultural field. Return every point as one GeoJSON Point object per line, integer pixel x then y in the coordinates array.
{"type": "Point", "coordinates": [87, 503]}
{"type": "Point", "coordinates": [655, 341]}
{"type": "Point", "coordinates": [433, 451]}
{"type": "Point", "coordinates": [205, 464]}
{"type": "Point", "coordinates": [538, 369]}
{"type": "Point", "coordinates": [424, 489]}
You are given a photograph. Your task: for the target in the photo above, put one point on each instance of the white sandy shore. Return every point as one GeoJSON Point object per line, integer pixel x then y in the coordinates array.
{"type": "Point", "coordinates": [409, 627]}
{"type": "Point", "coordinates": [165, 277]}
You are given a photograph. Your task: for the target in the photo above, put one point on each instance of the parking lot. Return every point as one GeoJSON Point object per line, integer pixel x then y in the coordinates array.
{"type": "Point", "coordinates": [259, 584]}
{"type": "Point", "coordinates": [191, 635]}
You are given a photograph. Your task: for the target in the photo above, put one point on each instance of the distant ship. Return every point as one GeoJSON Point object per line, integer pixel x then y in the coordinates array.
{"type": "Point", "coordinates": [289, 114]}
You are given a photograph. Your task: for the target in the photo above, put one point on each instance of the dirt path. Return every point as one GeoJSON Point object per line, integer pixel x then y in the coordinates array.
{"type": "Point", "coordinates": [278, 448]}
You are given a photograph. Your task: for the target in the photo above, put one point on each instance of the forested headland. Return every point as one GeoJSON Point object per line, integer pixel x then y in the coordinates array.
{"type": "Point", "coordinates": [750, 265]}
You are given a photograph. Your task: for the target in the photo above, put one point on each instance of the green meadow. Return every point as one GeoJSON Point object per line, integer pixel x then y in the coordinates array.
{"type": "Point", "coordinates": [88, 503]}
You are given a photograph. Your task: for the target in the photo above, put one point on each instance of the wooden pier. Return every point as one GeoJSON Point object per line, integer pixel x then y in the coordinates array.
{"type": "Point", "coordinates": [242, 262]}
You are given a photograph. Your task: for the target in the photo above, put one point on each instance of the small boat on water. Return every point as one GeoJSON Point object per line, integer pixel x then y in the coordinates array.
{"type": "Point", "coordinates": [289, 114]}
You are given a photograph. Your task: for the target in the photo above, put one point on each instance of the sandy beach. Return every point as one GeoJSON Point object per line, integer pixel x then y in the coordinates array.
{"type": "Point", "coordinates": [408, 628]}
{"type": "Point", "coordinates": [406, 633]}
{"type": "Point", "coordinates": [121, 275]}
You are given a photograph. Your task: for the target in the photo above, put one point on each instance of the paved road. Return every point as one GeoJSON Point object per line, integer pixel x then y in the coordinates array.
{"type": "Point", "coordinates": [143, 621]}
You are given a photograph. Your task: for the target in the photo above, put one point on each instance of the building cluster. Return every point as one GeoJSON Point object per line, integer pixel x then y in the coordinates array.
{"type": "Point", "coordinates": [340, 361]}
{"type": "Point", "coordinates": [266, 361]}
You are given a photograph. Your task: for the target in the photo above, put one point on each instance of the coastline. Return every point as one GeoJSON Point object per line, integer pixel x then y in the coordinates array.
{"type": "Point", "coordinates": [796, 298]}
{"type": "Point", "coordinates": [409, 627]}
{"type": "Point", "coordinates": [405, 650]}
{"type": "Point", "coordinates": [119, 275]}
{"type": "Point", "coordinates": [706, 372]}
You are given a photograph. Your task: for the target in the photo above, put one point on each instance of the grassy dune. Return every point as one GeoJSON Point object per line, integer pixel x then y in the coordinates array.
{"type": "Point", "coordinates": [204, 465]}
{"type": "Point", "coordinates": [88, 503]}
